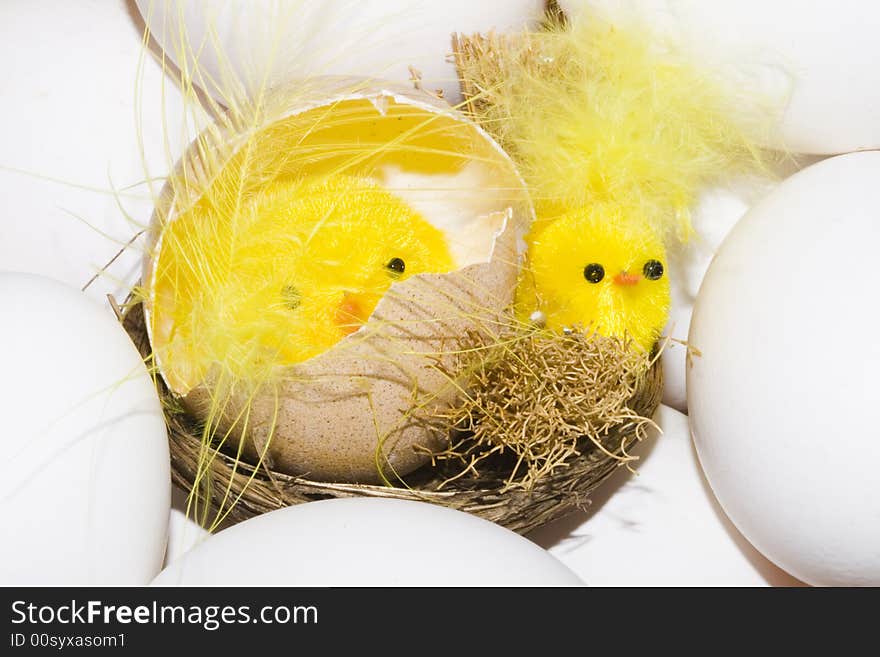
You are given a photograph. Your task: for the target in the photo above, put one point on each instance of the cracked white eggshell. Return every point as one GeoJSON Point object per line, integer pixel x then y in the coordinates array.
{"type": "Point", "coordinates": [325, 425]}
{"type": "Point", "coordinates": [783, 394]}
{"type": "Point", "coordinates": [85, 479]}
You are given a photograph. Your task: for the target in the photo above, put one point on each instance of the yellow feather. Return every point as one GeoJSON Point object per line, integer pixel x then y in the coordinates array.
{"type": "Point", "coordinates": [615, 133]}
{"type": "Point", "coordinates": [596, 112]}
{"type": "Point", "coordinates": [304, 263]}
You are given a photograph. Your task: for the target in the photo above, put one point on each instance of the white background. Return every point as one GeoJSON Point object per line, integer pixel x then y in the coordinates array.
{"type": "Point", "coordinates": [72, 183]}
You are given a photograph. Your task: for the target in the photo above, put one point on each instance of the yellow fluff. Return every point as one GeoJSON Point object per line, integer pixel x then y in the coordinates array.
{"type": "Point", "coordinates": [615, 134]}
{"type": "Point", "coordinates": [613, 114]}
{"type": "Point", "coordinates": [303, 264]}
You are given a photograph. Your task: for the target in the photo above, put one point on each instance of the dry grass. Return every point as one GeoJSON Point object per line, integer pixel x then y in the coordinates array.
{"type": "Point", "coordinates": [535, 401]}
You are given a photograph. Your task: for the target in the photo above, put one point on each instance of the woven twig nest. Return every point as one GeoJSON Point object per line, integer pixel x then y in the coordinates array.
{"type": "Point", "coordinates": [474, 475]}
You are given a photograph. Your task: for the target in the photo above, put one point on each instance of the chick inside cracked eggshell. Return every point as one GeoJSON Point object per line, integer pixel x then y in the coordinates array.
{"type": "Point", "coordinates": [300, 308]}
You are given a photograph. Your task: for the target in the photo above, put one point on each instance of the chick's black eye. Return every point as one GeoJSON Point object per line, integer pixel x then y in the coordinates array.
{"type": "Point", "coordinates": [594, 272]}
{"type": "Point", "coordinates": [396, 266]}
{"type": "Point", "coordinates": [291, 296]}
{"type": "Point", "coordinates": [653, 270]}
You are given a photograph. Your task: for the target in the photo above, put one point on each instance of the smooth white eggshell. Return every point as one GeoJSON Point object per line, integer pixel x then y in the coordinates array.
{"type": "Point", "coordinates": [84, 480]}
{"type": "Point", "coordinates": [717, 212]}
{"type": "Point", "coordinates": [184, 533]}
{"type": "Point", "coordinates": [661, 527]}
{"type": "Point", "coordinates": [69, 139]}
{"type": "Point", "coordinates": [817, 60]}
{"type": "Point", "coordinates": [718, 209]}
{"type": "Point", "coordinates": [782, 398]}
{"type": "Point", "coordinates": [264, 41]}
{"type": "Point", "coordinates": [367, 542]}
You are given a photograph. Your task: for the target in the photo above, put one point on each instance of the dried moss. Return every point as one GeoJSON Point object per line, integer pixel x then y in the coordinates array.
{"type": "Point", "coordinates": [535, 401]}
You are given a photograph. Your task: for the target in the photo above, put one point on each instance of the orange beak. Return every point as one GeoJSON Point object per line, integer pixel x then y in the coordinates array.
{"type": "Point", "coordinates": [624, 278]}
{"type": "Point", "coordinates": [352, 313]}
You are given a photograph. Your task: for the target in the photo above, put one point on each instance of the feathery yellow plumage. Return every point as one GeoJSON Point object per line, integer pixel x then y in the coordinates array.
{"type": "Point", "coordinates": [302, 265]}
{"type": "Point", "coordinates": [594, 270]}
{"type": "Point", "coordinates": [615, 134]}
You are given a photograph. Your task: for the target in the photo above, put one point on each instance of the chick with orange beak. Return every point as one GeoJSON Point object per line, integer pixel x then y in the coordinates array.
{"type": "Point", "coordinates": [300, 266]}
{"type": "Point", "coordinates": [595, 270]}
{"type": "Point", "coordinates": [348, 240]}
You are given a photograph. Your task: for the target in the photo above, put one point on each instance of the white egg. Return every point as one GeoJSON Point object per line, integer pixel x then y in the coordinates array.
{"type": "Point", "coordinates": [84, 478]}
{"type": "Point", "coordinates": [817, 59]}
{"type": "Point", "coordinates": [262, 42]}
{"type": "Point", "coordinates": [782, 396]}
{"type": "Point", "coordinates": [184, 533]}
{"type": "Point", "coordinates": [660, 527]}
{"type": "Point", "coordinates": [716, 213]}
{"type": "Point", "coordinates": [367, 542]}
{"type": "Point", "coordinates": [65, 151]}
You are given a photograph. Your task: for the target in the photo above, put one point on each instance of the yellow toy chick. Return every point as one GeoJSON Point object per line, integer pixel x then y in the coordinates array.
{"type": "Point", "coordinates": [345, 242]}
{"type": "Point", "coordinates": [302, 265]}
{"type": "Point", "coordinates": [592, 272]}
{"type": "Point", "coordinates": [615, 133]}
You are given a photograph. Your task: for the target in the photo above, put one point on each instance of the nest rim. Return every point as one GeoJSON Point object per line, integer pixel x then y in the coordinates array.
{"type": "Point", "coordinates": [239, 490]}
